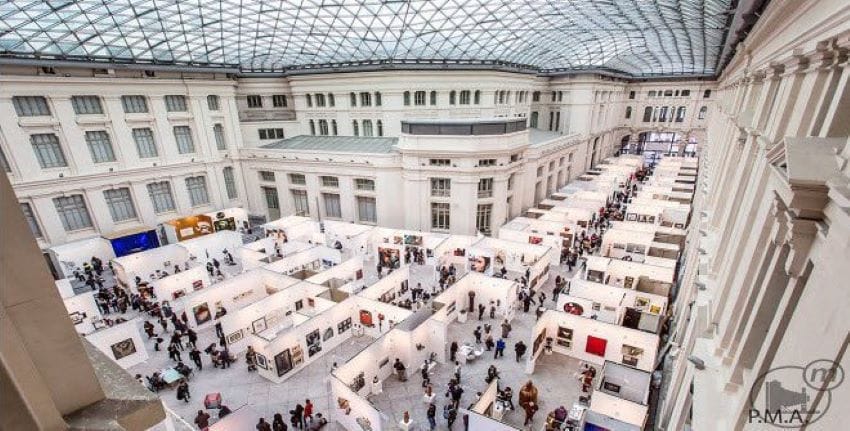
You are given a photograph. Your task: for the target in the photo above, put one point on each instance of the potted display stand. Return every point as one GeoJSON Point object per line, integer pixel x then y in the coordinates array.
{"type": "Point", "coordinates": [461, 317]}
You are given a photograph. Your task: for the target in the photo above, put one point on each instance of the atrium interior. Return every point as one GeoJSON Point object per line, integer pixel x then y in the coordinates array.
{"type": "Point", "coordinates": [376, 215]}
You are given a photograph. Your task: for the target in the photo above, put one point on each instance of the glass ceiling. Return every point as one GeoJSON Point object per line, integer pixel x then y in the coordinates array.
{"type": "Point", "coordinates": [633, 37]}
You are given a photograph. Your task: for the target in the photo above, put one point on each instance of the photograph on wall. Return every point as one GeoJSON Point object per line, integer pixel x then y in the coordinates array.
{"type": "Point", "coordinates": [299, 304]}
{"type": "Point", "coordinates": [262, 362]}
{"type": "Point", "coordinates": [413, 240]}
{"type": "Point", "coordinates": [228, 223]}
{"type": "Point", "coordinates": [538, 341]}
{"type": "Point", "coordinates": [314, 343]}
{"type": "Point", "coordinates": [297, 355]}
{"type": "Point", "coordinates": [202, 313]}
{"type": "Point", "coordinates": [479, 263]}
{"type": "Point", "coordinates": [259, 325]}
{"type": "Point", "coordinates": [123, 348]}
{"type": "Point", "coordinates": [535, 240]}
{"type": "Point", "coordinates": [364, 423]}
{"type": "Point", "coordinates": [595, 346]}
{"type": "Point", "coordinates": [384, 362]}
{"type": "Point", "coordinates": [565, 337]}
{"type": "Point", "coordinates": [366, 318]}
{"type": "Point", "coordinates": [283, 362]}
{"type": "Point", "coordinates": [234, 337]}
{"type": "Point", "coordinates": [389, 257]}
{"type": "Point", "coordinates": [329, 333]}
{"type": "Point", "coordinates": [197, 285]}
{"type": "Point", "coordinates": [459, 252]}
{"type": "Point", "coordinates": [343, 326]}
{"type": "Point", "coordinates": [398, 239]}
{"type": "Point", "coordinates": [179, 293]}
{"type": "Point", "coordinates": [358, 275]}
{"type": "Point", "coordinates": [573, 308]}
{"type": "Point", "coordinates": [631, 217]}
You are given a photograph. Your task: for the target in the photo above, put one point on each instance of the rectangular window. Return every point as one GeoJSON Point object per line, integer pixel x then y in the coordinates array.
{"type": "Point", "coordinates": [440, 215]}
{"type": "Point", "coordinates": [100, 146]}
{"type": "Point", "coordinates": [31, 220]}
{"type": "Point", "coordinates": [134, 104]}
{"type": "Point", "coordinates": [464, 97]}
{"type": "Point", "coordinates": [365, 99]}
{"type": "Point", "coordinates": [213, 102]}
{"type": "Point", "coordinates": [486, 162]}
{"type": "Point", "coordinates": [686, 93]}
{"type": "Point", "coordinates": [145, 144]}
{"type": "Point", "coordinates": [441, 187]}
{"type": "Point", "coordinates": [229, 183]}
{"type": "Point", "coordinates": [540, 171]}
{"type": "Point", "coordinates": [510, 182]}
{"type": "Point", "coordinates": [31, 106]}
{"type": "Point", "coordinates": [176, 103]}
{"type": "Point", "coordinates": [631, 94]}
{"type": "Point", "coordinates": [279, 100]}
{"type": "Point", "coordinates": [482, 218]}
{"type": "Point", "coordinates": [330, 181]}
{"type": "Point", "coordinates": [161, 197]}
{"type": "Point", "coordinates": [197, 188]}
{"type": "Point", "coordinates": [218, 132]}
{"type": "Point", "coordinates": [366, 209]}
{"type": "Point", "coordinates": [86, 105]}
{"type": "Point", "coordinates": [440, 162]}
{"type": "Point", "coordinates": [275, 133]}
{"type": "Point", "coordinates": [485, 188]}
{"type": "Point", "coordinates": [323, 127]}
{"type": "Point", "coordinates": [367, 128]}
{"type": "Point", "coordinates": [120, 204]}
{"type": "Point", "coordinates": [320, 100]}
{"type": "Point", "coordinates": [297, 179]}
{"type": "Point", "coordinates": [267, 176]}
{"type": "Point", "coordinates": [255, 101]}
{"type": "Point", "coordinates": [48, 151]}
{"type": "Point", "coordinates": [73, 212]}
{"type": "Point", "coordinates": [183, 137]}
{"type": "Point", "coordinates": [419, 98]}
{"type": "Point", "coordinates": [272, 201]}
{"type": "Point", "coordinates": [299, 199]}
{"type": "Point", "coordinates": [332, 207]}
{"type": "Point", "coordinates": [364, 184]}
{"type": "Point", "coordinates": [514, 158]}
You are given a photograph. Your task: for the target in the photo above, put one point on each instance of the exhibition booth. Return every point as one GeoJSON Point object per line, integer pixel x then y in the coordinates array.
{"type": "Point", "coordinates": [620, 400]}
{"type": "Point", "coordinates": [307, 263]}
{"type": "Point", "coordinates": [151, 264]}
{"type": "Point", "coordinates": [71, 256]}
{"type": "Point", "coordinates": [665, 193]}
{"type": "Point", "coordinates": [178, 285]}
{"type": "Point", "coordinates": [207, 306]}
{"type": "Point", "coordinates": [463, 297]}
{"type": "Point", "coordinates": [210, 247]}
{"type": "Point", "coordinates": [83, 311]}
{"type": "Point", "coordinates": [453, 250]}
{"type": "Point", "coordinates": [489, 255]}
{"type": "Point", "coordinates": [292, 228]}
{"type": "Point", "coordinates": [354, 238]}
{"type": "Point", "coordinates": [347, 276]}
{"type": "Point", "coordinates": [660, 212]}
{"type": "Point", "coordinates": [392, 289]}
{"type": "Point", "coordinates": [557, 235]}
{"type": "Point", "coordinates": [293, 303]}
{"type": "Point", "coordinates": [591, 341]}
{"type": "Point", "coordinates": [486, 413]}
{"type": "Point", "coordinates": [615, 305]}
{"type": "Point", "coordinates": [654, 277]}
{"type": "Point", "coordinates": [197, 225]}
{"type": "Point", "coordinates": [233, 219]}
{"type": "Point", "coordinates": [665, 234]}
{"type": "Point", "coordinates": [267, 250]}
{"type": "Point", "coordinates": [581, 217]}
{"type": "Point", "coordinates": [405, 246]}
{"type": "Point", "coordinates": [636, 246]}
{"type": "Point", "coordinates": [122, 343]}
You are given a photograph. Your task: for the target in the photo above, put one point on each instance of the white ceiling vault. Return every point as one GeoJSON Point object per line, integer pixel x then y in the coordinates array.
{"type": "Point", "coordinates": [639, 38]}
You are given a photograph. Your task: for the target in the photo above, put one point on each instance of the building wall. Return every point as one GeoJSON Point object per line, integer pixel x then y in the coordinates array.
{"type": "Point", "coordinates": [590, 128]}
{"type": "Point", "coordinates": [759, 288]}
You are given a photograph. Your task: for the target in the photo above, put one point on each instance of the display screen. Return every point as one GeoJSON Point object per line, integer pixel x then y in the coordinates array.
{"type": "Point", "coordinates": [135, 243]}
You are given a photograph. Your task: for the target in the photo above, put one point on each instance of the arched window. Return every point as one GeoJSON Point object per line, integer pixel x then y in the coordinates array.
{"type": "Point", "coordinates": [703, 111]}
{"type": "Point", "coordinates": [477, 97]}
{"type": "Point", "coordinates": [334, 128]}
{"type": "Point", "coordinates": [323, 127]}
{"type": "Point", "coordinates": [331, 100]}
{"type": "Point", "coordinates": [534, 116]}
{"type": "Point", "coordinates": [380, 128]}
{"type": "Point", "coordinates": [406, 98]}
{"type": "Point", "coordinates": [452, 97]}
{"type": "Point", "coordinates": [433, 98]}
{"type": "Point", "coordinates": [647, 114]}
{"type": "Point", "coordinates": [320, 100]}
{"type": "Point", "coordinates": [353, 98]}
{"type": "Point", "coordinates": [355, 127]}
{"type": "Point", "coordinates": [309, 100]}
{"type": "Point", "coordinates": [377, 98]}
{"type": "Point", "coordinates": [628, 112]}
{"type": "Point", "coordinates": [464, 97]}
{"type": "Point", "coordinates": [312, 127]}
{"type": "Point", "coordinates": [535, 97]}
{"type": "Point", "coordinates": [367, 127]}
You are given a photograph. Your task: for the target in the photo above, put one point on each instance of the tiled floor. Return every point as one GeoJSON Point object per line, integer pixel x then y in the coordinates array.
{"type": "Point", "coordinates": [553, 374]}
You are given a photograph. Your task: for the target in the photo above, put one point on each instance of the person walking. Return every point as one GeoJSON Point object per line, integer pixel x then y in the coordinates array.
{"type": "Point", "coordinates": [477, 334]}
{"type": "Point", "coordinates": [450, 413]}
{"type": "Point", "coordinates": [453, 351]}
{"type": "Point", "coordinates": [530, 409]}
{"type": "Point", "coordinates": [432, 416]}
{"type": "Point", "coordinates": [520, 349]}
{"type": "Point", "coordinates": [500, 349]}
{"type": "Point", "coordinates": [506, 329]}
{"type": "Point", "coordinates": [195, 356]}
{"type": "Point", "coordinates": [183, 391]}
{"type": "Point", "coordinates": [299, 414]}
{"type": "Point", "coordinates": [308, 411]}
{"type": "Point", "coordinates": [457, 371]}
{"type": "Point", "coordinates": [262, 425]}
{"type": "Point", "coordinates": [277, 423]}
{"type": "Point", "coordinates": [481, 310]}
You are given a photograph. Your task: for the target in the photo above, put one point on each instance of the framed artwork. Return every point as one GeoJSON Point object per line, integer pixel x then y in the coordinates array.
{"type": "Point", "coordinates": [262, 362]}
{"type": "Point", "coordinates": [631, 217]}
{"type": "Point", "coordinates": [384, 362]}
{"type": "Point", "coordinates": [641, 301]}
{"type": "Point", "coordinates": [358, 275]}
{"type": "Point", "coordinates": [535, 240]}
{"type": "Point", "coordinates": [259, 325]}
{"type": "Point", "coordinates": [573, 308]}
{"type": "Point", "coordinates": [451, 307]}
{"type": "Point", "coordinates": [283, 362]}
{"type": "Point", "coordinates": [611, 387]}
{"type": "Point", "coordinates": [313, 338]}
{"type": "Point", "coordinates": [538, 341]}
{"type": "Point", "coordinates": [123, 348]}
{"type": "Point", "coordinates": [329, 333]}
{"type": "Point", "coordinates": [654, 309]}
{"type": "Point", "coordinates": [297, 355]}
{"type": "Point", "coordinates": [299, 304]}
{"type": "Point", "coordinates": [389, 257]}
{"type": "Point", "coordinates": [343, 326]}
{"type": "Point", "coordinates": [596, 346]}
{"type": "Point", "coordinates": [628, 282]}
{"type": "Point", "coordinates": [197, 285]}
{"type": "Point", "coordinates": [364, 423]}
{"type": "Point", "coordinates": [413, 240]}
{"type": "Point", "coordinates": [234, 337]}
{"type": "Point", "coordinates": [243, 295]}
{"type": "Point", "coordinates": [366, 318]}
{"type": "Point", "coordinates": [311, 302]}
{"type": "Point", "coordinates": [565, 337]}
{"type": "Point", "coordinates": [77, 317]}
{"type": "Point", "coordinates": [202, 313]}
{"type": "Point", "coordinates": [314, 349]}
{"type": "Point", "coordinates": [397, 239]}
{"type": "Point", "coordinates": [178, 293]}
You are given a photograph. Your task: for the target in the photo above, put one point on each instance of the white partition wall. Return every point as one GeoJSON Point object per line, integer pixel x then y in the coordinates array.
{"type": "Point", "coordinates": [122, 343]}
